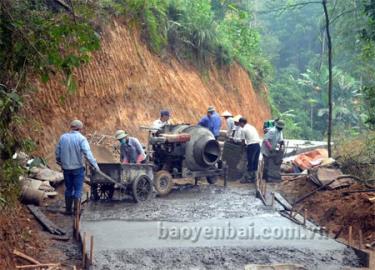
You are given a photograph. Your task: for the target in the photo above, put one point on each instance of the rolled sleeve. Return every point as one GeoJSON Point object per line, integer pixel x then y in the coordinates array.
{"type": "Point", "coordinates": [139, 147]}
{"type": "Point", "coordinates": [85, 147]}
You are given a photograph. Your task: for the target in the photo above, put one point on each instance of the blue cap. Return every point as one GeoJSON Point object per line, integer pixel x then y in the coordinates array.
{"type": "Point", "coordinates": [164, 113]}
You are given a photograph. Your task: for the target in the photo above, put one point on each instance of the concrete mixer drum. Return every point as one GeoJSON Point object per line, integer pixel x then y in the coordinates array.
{"type": "Point", "coordinates": [185, 151]}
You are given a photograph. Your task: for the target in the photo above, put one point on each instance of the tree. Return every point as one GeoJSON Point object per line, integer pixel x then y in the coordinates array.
{"type": "Point", "coordinates": [330, 80]}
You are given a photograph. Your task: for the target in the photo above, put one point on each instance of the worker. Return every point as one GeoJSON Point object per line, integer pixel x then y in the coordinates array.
{"type": "Point", "coordinates": [230, 122]}
{"type": "Point", "coordinates": [267, 125]}
{"type": "Point", "coordinates": [162, 121]}
{"type": "Point", "coordinates": [131, 150]}
{"type": "Point", "coordinates": [251, 140]}
{"type": "Point", "coordinates": [273, 141]}
{"type": "Point", "coordinates": [70, 150]}
{"type": "Point", "coordinates": [211, 121]}
{"type": "Point", "coordinates": [236, 134]}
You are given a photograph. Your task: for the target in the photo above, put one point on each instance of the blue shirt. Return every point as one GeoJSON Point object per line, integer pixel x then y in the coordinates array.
{"type": "Point", "coordinates": [205, 122]}
{"type": "Point", "coordinates": [71, 149]}
{"type": "Point", "coordinates": [216, 124]}
{"type": "Point", "coordinates": [213, 123]}
{"type": "Point", "coordinates": [130, 150]}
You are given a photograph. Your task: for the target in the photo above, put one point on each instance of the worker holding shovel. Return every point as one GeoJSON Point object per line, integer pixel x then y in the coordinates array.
{"type": "Point", "coordinates": [273, 151]}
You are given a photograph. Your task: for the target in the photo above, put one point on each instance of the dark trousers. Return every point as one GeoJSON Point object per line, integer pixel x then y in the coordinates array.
{"type": "Point", "coordinates": [74, 182]}
{"type": "Point", "coordinates": [252, 152]}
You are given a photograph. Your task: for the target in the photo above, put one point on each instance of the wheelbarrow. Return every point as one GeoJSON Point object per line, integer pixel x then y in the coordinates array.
{"type": "Point", "coordinates": [135, 180]}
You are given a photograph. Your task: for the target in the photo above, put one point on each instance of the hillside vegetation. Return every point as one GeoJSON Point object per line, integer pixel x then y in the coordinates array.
{"type": "Point", "coordinates": [64, 59]}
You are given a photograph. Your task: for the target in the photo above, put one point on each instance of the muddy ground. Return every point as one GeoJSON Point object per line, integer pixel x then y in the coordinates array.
{"type": "Point", "coordinates": [189, 204]}
{"type": "Point", "coordinates": [20, 231]}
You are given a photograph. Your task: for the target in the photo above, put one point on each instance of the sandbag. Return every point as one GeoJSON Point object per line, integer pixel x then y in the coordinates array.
{"type": "Point", "coordinates": [46, 174]}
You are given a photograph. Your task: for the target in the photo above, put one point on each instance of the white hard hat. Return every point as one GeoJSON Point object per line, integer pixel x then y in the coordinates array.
{"type": "Point", "coordinates": [120, 134]}
{"type": "Point", "coordinates": [226, 114]}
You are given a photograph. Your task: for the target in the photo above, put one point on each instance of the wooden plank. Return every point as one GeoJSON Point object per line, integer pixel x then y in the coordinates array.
{"type": "Point", "coordinates": [60, 237]}
{"type": "Point", "coordinates": [46, 222]}
{"type": "Point", "coordinates": [283, 202]}
{"type": "Point", "coordinates": [24, 256]}
{"type": "Point", "coordinates": [91, 249]}
{"type": "Point", "coordinates": [358, 191]}
{"type": "Point", "coordinates": [36, 266]}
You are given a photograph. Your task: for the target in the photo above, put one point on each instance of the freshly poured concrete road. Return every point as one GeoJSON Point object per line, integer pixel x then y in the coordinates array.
{"type": "Point", "coordinates": [204, 227]}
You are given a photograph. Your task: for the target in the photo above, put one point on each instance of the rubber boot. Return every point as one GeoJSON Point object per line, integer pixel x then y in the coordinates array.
{"type": "Point", "coordinates": [252, 176]}
{"type": "Point", "coordinates": [77, 206]}
{"type": "Point", "coordinates": [244, 178]}
{"type": "Point", "coordinates": [68, 206]}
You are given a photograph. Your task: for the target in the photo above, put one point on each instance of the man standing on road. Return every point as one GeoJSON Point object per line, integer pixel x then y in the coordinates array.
{"type": "Point", "coordinates": [70, 150]}
{"type": "Point", "coordinates": [230, 122]}
{"type": "Point", "coordinates": [236, 134]}
{"type": "Point", "coordinates": [273, 140]}
{"type": "Point", "coordinates": [251, 140]}
{"type": "Point", "coordinates": [131, 150]}
{"type": "Point", "coordinates": [160, 123]}
{"type": "Point", "coordinates": [211, 121]}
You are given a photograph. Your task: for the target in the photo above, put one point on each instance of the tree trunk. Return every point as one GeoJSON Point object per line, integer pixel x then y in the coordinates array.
{"type": "Point", "coordinates": [329, 44]}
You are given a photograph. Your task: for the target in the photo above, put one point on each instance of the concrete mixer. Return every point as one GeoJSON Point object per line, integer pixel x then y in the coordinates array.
{"type": "Point", "coordinates": [184, 151]}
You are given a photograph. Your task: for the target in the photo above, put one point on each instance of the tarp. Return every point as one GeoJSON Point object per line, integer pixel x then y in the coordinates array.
{"type": "Point", "coordinates": [310, 159]}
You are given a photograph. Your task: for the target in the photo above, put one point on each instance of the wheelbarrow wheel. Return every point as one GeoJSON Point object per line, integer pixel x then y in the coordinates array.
{"type": "Point", "coordinates": [102, 191]}
{"type": "Point", "coordinates": [211, 179]}
{"type": "Point", "coordinates": [142, 188]}
{"type": "Point", "coordinates": [163, 182]}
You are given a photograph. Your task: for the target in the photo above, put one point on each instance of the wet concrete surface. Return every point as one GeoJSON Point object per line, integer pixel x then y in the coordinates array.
{"type": "Point", "coordinates": [204, 227]}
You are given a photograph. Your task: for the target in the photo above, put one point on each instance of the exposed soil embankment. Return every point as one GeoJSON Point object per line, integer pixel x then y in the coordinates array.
{"type": "Point", "coordinates": [125, 86]}
{"type": "Point", "coordinates": [335, 210]}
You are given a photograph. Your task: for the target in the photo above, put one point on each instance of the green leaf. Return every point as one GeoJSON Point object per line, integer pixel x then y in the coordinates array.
{"type": "Point", "coordinates": [45, 77]}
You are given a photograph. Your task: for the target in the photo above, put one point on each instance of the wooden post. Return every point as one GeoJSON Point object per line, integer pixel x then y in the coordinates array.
{"type": "Point", "coordinates": [84, 250]}
{"type": "Point", "coordinates": [77, 221]}
{"type": "Point", "coordinates": [291, 212]}
{"type": "Point", "coordinates": [91, 248]}
{"type": "Point", "coordinates": [350, 237]}
{"type": "Point", "coordinates": [225, 170]}
{"type": "Point", "coordinates": [304, 216]}
{"type": "Point", "coordinates": [265, 189]}
{"type": "Point", "coordinates": [74, 226]}
{"type": "Point", "coordinates": [77, 227]}
{"type": "Point", "coordinates": [360, 245]}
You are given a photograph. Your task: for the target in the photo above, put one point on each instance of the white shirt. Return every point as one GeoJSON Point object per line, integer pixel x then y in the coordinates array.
{"type": "Point", "coordinates": [274, 136]}
{"type": "Point", "coordinates": [237, 134]}
{"type": "Point", "coordinates": [250, 134]}
{"type": "Point", "coordinates": [230, 126]}
{"type": "Point", "coordinates": [158, 124]}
